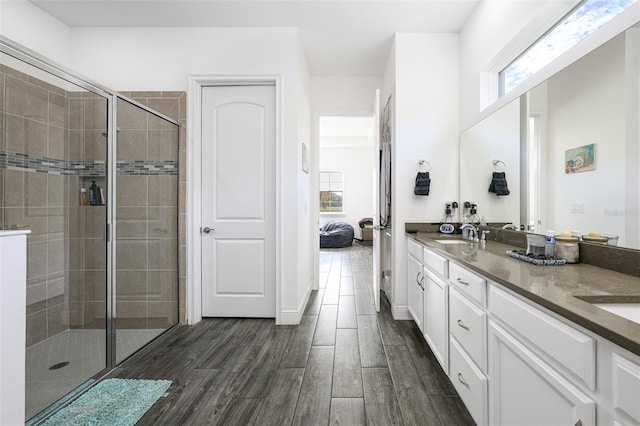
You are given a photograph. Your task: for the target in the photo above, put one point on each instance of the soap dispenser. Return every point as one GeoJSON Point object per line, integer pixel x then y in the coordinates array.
{"type": "Point", "coordinates": [95, 198]}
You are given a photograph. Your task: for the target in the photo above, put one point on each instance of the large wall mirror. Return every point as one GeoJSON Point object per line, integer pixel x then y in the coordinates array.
{"type": "Point", "coordinates": [571, 148]}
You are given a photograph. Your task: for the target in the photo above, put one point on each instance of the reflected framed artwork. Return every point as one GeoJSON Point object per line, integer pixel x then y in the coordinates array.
{"type": "Point", "coordinates": [580, 159]}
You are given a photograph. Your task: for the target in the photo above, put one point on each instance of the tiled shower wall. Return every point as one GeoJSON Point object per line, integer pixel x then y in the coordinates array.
{"type": "Point", "coordinates": [172, 105]}
{"type": "Point", "coordinates": [42, 159]}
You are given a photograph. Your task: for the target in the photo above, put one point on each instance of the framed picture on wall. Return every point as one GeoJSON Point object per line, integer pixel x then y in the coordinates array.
{"type": "Point", "coordinates": [581, 159]}
{"type": "Point", "coordinates": [305, 158]}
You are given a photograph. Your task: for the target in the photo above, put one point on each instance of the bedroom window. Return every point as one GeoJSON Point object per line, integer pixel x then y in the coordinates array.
{"type": "Point", "coordinates": [331, 191]}
{"type": "Point", "coordinates": [573, 28]}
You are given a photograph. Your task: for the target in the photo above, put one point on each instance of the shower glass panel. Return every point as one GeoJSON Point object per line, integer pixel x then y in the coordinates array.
{"type": "Point", "coordinates": [54, 143]}
{"type": "Point", "coordinates": [146, 223]}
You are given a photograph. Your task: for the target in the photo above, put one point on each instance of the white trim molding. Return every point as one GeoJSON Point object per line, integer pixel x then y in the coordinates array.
{"type": "Point", "coordinates": [194, 184]}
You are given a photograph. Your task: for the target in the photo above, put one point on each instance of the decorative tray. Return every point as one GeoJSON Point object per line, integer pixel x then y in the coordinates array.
{"type": "Point", "coordinates": [536, 259]}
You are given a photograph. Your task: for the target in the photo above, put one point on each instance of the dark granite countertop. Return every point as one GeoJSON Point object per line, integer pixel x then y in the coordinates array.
{"type": "Point", "coordinates": [562, 289]}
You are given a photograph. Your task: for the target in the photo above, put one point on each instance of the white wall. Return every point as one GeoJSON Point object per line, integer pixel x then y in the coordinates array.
{"type": "Point", "coordinates": [494, 138]}
{"type": "Point", "coordinates": [426, 127]}
{"type": "Point", "coordinates": [162, 59]}
{"type": "Point", "coordinates": [28, 25]}
{"type": "Point", "coordinates": [591, 93]}
{"type": "Point", "coordinates": [358, 167]}
{"type": "Point", "coordinates": [306, 232]}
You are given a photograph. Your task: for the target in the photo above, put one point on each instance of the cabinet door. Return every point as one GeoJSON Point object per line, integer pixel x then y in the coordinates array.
{"type": "Point", "coordinates": [525, 390]}
{"type": "Point", "coordinates": [436, 317]}
{"type": "Point", "coordinates": [414, 291]}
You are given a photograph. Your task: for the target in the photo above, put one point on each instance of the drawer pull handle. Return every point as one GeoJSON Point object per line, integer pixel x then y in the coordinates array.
{"type": "Point", "coordinates": [418, 279]}
{"type": "Point", "coordinates": [462, 325]}
{"type": "Point", "coordinates": [461, 380]}
{"type": "Point", "coordinates": [461, 281]}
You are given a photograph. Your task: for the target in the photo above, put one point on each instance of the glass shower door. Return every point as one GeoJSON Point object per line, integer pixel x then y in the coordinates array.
{"type": "Point", "coordinates": [146, 218]}
{"type": "Point", "coordinates": [53, 144]}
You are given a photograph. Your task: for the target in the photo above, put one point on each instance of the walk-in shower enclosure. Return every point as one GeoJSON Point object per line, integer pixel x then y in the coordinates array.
{"type": "Point", "coordinates": [94, 176]}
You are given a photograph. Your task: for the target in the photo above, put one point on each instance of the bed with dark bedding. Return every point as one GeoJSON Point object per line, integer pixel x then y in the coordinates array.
{"type": "Point", "coordinates": [336, 235]}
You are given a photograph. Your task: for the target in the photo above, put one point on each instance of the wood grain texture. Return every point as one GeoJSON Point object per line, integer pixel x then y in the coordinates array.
{"type": "Point", "coordinates": [325, 334]}
{"type": "Point", "coordinates": [314, 400]}
{"type": "Point", "coordinates": [371, 351]}
{"type": "Point", "coordinates": [347, 312]}
{"type": "Point", "coordinates": [297, 351]}
{"type": "Point", "coordinates": [347, 377]}
{"type": "Point", "coordinates": [314, 303]}
{"type": "Point", "coordinates": [279, 406]}
{"type": "Point", "coordinates": [347, 412]}
{"type": "Point", "coordinates": [451, 410]}
{"type": "Point", "coordinates": [415, 404]}
{"type": "Point", "coordinates": [381, 404]}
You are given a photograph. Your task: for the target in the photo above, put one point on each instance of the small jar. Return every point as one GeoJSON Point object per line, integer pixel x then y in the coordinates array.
{"type": "Point", "coordinates": [567, 248]}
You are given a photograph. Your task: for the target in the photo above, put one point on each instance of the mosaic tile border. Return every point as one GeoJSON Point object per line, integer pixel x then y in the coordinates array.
{"type": "Point", "coordinates": [31, 163]}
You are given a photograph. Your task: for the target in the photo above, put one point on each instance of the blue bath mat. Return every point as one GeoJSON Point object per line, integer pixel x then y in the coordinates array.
{"type": "Point", "coordinates": [112, 402]}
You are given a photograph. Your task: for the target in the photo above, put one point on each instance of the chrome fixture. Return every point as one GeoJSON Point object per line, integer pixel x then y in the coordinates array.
{"type": "Point", "coordinates": [473, 231]}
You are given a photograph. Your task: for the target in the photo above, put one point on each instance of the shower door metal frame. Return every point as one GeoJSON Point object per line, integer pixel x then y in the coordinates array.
{"type": "Point", "coordinates": [36, 60]}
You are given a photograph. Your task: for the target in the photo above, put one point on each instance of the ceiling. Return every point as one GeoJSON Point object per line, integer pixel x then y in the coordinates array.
{"type": "Point", "coordinates": [344, 37]}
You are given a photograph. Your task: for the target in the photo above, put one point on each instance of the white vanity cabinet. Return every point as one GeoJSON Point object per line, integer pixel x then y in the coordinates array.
{"type": "Point", "coordinates": [435, 317]}
{"type": "Point", "coordinates": [415, 283]}
{"type": "Point", "coordinates": [13, 291]}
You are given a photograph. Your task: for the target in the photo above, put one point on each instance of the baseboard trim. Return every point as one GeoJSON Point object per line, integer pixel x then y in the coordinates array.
{"type": "Point", "coordinates": [293, 316]}
{"type": "Point", "coordinates": [400, 312]}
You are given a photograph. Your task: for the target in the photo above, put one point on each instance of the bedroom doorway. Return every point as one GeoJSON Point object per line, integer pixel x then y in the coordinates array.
{"type": "Point", "coordinates": [346, 193]}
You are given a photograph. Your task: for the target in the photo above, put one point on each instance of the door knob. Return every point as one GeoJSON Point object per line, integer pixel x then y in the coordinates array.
{"type": "Point", "coordinates": [206, 229]}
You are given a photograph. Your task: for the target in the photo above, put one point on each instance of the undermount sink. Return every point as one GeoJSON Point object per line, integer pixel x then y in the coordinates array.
{"type": "Point", "coordinates": [452, 241]}
{"type": "Point", "coordinates": [624, 306]}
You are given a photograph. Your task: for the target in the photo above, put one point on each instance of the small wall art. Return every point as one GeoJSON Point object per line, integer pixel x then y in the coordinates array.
{"type": "Point", "coordinates": [581, 159]}
{"type": "Point", "coordinates": [305, 158]}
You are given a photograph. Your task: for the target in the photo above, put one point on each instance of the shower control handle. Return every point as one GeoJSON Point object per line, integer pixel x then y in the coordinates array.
{"type": "Point", "coordinates": [207, 230]}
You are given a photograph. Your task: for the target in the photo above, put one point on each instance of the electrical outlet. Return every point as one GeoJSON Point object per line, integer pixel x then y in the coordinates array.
{"type": "Point", "coordinates": [577, 208]}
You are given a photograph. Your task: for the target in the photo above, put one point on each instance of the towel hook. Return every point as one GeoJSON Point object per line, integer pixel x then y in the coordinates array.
{"type": "Point", "coordinates": [495, 163]}
{"type": "Point", "coordinates": [423, 162]}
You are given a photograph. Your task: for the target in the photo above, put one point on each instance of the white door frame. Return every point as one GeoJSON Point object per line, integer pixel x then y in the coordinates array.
{"type": "Point", "coordinates": [194, 184]}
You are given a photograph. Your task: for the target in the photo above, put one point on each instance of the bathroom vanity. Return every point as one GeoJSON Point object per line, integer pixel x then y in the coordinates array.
{"type": "Point", "coordinates": [13, 288]}
{"type": "Point", "coordinates": [526, 344]}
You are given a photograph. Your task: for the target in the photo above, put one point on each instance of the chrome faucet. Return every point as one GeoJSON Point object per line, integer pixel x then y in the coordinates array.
{"type": "Point", "coordinates": [473, 231]}
{"type": "Point", "coordinates": [510, 226]}
{"type": "Point", "coordinates": [483, 239]}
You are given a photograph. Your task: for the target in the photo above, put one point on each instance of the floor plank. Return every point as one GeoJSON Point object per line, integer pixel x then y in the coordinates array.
{"type": "Point", "coordinates": [241, 412]}
{"type": "Point", "coordinates": [346, 284]}
{"type": "Point", "coordinates": [314, 303]}
{"type": "Point", "coordinates": [390, 329]}
{"type": "Point", "coordinates": [297, 351]}
{"type": "Point", "coordinates": [314, 400]}
{"type": "Point", "coordinates": [415, 404]}
{"type": "Point", "coordinates": [331, 293]}
{"type": "Point", "coordinates": [325, 334]}
{"type": "Point", "coordinates": [347, 377]}
{"type": "Point", "coordinates": [347, 312]}
{"type": "Point", "coordinates": [279, 406]}
{"type": "Point", "coordinates": [451, 410]}
{"type": "Point", "coordinates": [381, 404]}
{"type": "Point", "coordinates": [347, 412]}
{"type": "Point", "coordinates": [371, 351]}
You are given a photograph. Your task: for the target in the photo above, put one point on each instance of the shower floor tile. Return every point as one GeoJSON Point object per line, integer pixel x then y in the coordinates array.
{"type": "Point", "coordinates": [84, 351]}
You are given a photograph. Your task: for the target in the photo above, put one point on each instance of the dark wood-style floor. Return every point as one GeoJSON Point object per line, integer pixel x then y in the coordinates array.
{"type": "Point", "coordinates": [343, 364]}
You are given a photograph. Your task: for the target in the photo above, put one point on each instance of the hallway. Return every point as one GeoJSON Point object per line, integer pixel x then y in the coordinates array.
{"type": "Point", "coordinates": [342, 364]}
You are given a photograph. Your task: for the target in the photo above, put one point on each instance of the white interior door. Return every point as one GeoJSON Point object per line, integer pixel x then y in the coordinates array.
{"type": "Point", "coordinates": [238, 201]}
{"type": "Point", "coordinates": [377, 271]}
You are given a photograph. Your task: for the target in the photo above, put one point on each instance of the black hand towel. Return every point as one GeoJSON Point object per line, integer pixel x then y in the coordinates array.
{"type": "Point", "coordinates": [499, 184]}
{"type": "Point", "coordinates": [422, 184]}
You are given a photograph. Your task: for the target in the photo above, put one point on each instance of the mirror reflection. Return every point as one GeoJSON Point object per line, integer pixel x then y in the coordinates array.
{"type": "Point", "coordinates": [579, 148]}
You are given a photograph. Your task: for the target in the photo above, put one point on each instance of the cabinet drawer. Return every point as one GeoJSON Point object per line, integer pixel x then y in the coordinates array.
{"type": "Point", "coordinates": [626, 387]}
{"type": "Point", "coordinates": [414, 249]}
{"type": "Point", "coordinates": [468, 282]}
{"type": "Point", "coordinates": [561, 343]}
{"type": "Point", "coordinates": [468, 324]}
{"type": "Point", "coordinates": [435, 262]}
{"type": "Point", "coordinates": [470, 383]}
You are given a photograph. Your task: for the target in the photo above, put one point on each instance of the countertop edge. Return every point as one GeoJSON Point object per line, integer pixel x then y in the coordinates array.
{"type": "Point", "coordinates": [602, 331]}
